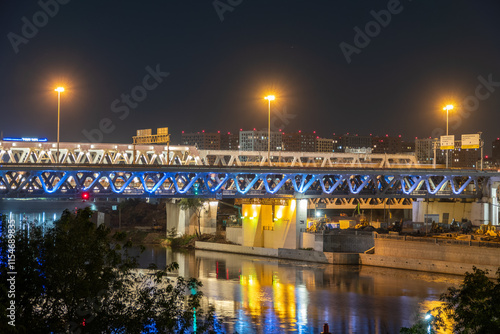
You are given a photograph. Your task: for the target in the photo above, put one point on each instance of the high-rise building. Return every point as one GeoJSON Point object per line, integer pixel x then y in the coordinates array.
{"type": "Point", "coordinates": [298, 141]}
{"type": "Point", "coordinates": [257, 141]}
{"type": "Point", "coordinates": [203, 140]}
{"type": "Point", "coordinates": [324, 145]}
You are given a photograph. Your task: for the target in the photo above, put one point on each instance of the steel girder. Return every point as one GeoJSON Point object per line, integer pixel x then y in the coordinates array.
{"type": "Point", "coordinates": [46, 182]}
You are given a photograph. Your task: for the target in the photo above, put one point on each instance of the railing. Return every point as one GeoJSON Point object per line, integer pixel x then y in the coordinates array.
{"type": "Point", "coordinates": [440, 241]}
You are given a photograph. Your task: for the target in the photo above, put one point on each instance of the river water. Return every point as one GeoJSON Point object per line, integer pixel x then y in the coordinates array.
{"type": "Point", "coordinates": [265, 295]}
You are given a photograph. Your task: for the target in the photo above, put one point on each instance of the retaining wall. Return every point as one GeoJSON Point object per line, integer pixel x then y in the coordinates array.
{"type": "Point", "coordinates": [433, 255]}
{"type": "Point", "coordinates": [283, 253]}
{"type": "Point", "coordinates": [339, 241]}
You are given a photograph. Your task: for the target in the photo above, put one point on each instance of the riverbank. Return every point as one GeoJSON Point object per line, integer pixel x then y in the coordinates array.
{"type": "Point", "coordinates": [397, 252]}
{"type": "Point", "coordinates": [283, 253]}
{"type": "Point", "coordinates": [437, 255]}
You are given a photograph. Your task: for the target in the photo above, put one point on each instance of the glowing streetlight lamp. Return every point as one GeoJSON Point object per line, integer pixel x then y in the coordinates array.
{"type": "Point", "coordinates": [269, 98]}
{"type": "Point", "coordinates": [447, 108]}
{"type": "Point", "coordinates": [59, 90]}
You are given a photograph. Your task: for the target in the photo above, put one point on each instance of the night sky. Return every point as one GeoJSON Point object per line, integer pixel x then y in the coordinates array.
{"type": "Point", "coordinates": [213, 66]}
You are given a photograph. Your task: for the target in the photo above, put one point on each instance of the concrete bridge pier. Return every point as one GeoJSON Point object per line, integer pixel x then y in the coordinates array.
{"type": "Point", "coordinates": [487, 207]}
{"type": "Point", "coordinates": [479, 212]}
{"type": "Point", "coordinates": [186, 221]}
{"type": "Point", "coordinates": [274, 226]}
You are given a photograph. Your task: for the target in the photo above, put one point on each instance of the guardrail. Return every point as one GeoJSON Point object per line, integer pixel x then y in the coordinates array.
{"type": "Point", "coordinates": [440, 241]}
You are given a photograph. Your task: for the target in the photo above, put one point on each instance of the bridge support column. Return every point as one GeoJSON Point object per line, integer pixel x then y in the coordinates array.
{"type": "Point", "coordinates": [186, 221]}
{"type": "Point", "coordinates": [447, 211]}
{"type": "Point", "coordinates": [274, 226]}
{"type": "Point", "coordinates": [208, 219]}
{"type": "Point", "coordinates": [176, 218]}
{"type": "Point", "coordinates": [487, 209]}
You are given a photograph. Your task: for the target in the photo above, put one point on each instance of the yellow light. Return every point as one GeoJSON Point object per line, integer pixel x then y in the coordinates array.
{"type": "Point", "coordinates": [448, 107]}
{"type": "Point", "coordinates": [59, 89]}
{"type": "Point", "coordinates": [270, 97]}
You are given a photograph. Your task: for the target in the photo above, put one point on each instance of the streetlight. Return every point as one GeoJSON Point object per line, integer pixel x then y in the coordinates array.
{"type": "Point", "coordinates": [269, 98]}
{"type": "Point", "coordinates": [447, 108]}
{"type": "Point", "coordinates": [58, 90]}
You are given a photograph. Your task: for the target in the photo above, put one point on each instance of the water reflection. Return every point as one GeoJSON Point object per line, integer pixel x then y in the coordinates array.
{"type": "Point", "coordinates": [257, 295]}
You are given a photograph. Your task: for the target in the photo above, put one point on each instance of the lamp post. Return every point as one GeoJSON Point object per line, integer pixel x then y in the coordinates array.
{"type": "Point", "coordinates": [269, 98]}
{"type": "Point", "coordinates": [58, 90]}
{"type": "Point", "coordinates": [447, 108]}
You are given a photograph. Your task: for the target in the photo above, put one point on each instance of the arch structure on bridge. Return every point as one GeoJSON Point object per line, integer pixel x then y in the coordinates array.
{"type": "Point", "coordinates": [161, 155]}
{"type": "Point", "coordinates": [175, 182]}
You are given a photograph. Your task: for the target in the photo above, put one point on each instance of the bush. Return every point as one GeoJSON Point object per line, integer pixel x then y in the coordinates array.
{"type": "Point", "coordinates": [77, 278]}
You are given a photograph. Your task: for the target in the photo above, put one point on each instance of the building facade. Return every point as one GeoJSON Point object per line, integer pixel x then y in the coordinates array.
{"type": "Point", "coordinates": [424, 150]}
{"type": "Point", "coordinates": [324, 145]}
{"type": "Point", "coordinates": [229, 141]}
{"type": "Point", "coordinates": [202, 140]}
{"type": "Point", "coordinates": [257, 141]}
{"type": "Point", "coordinates": [298, 142]}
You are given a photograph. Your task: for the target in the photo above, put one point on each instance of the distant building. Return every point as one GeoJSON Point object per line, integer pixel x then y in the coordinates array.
{"type": "Point", "coordinates": [298, 142]}
{"type": "Point", "coordinates": [458, 157]}
{"type": "Point", "coordinates": [351, 142]}
{"type": "Point", "coordinates": [337, 144]}
{"type": "Point", "coordinates": [495, 151]}
{"type": "Point", "coordinates": [229, 141]}
{"type": "Point", "coordinates": [464, 157]}
{"type": "Point", "coordinates": [202, 140]}
{"type": "Point", "coordinates": [324, 145]}
{"type": "Point", "coordinates": [424, 150]}
{"type": "Point", "coordinates": [387, 144]}
{"type": "Point", "coordinates": [407, 147]}
{"type": "Point", "coordinates": [257, 141]}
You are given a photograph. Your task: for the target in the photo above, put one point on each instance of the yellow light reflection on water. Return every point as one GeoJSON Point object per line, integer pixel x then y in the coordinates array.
{"type": "Point", "coordinates": [430, 305]}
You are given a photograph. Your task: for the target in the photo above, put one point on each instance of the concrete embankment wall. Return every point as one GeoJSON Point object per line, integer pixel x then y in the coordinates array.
{"type": "Point", "coordinates": [433, 255]}
{"type": "Point", "coordinates": [283, 253]}
{"type": "Point", "coordinates": [339, 241]}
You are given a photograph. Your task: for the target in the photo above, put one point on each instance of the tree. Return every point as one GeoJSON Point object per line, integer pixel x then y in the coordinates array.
{"type": "Point", "coordinates": [195, 204]}
{"type": "Point", "coordinates": [77, 278]}
{"type": "Point", "coordinates": [473, 307]}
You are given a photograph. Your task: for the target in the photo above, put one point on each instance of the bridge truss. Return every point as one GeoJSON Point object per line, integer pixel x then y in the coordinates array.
{"type": "Point", "coordinates": [38, 180]}
{"type": "Point", "coordinates": [161, 155]}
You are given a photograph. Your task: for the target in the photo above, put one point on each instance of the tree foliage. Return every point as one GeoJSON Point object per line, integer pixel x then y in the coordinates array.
{"type": "Point", "coordinates": [76, 278]}
{"type": "Point", "coordinates": [473, 307]}
{"type": "Point", "coordinates": [195, 204]}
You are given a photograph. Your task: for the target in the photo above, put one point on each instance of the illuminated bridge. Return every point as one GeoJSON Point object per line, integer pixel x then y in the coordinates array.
{"type": "Point", "coordinates": [276, 193]}
{"type": "Point", "coordinates": [118, 170]}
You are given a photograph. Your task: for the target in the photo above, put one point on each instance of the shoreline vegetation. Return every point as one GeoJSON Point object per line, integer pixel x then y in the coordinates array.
{"type": "Point", "coordinates": [78, 277]}
{"type": "Point", "coordinates": [169, 239]}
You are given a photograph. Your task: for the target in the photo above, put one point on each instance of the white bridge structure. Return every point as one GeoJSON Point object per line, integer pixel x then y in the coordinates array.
{"type": "Point", "coordinates": [161, 155]}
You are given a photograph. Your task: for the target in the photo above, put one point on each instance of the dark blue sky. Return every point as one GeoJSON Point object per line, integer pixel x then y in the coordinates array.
{"type": "Point", "coordinates": [430, 53]}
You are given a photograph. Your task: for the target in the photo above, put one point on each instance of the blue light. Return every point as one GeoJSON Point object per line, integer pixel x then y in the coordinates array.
{"type": "Point", "coordinates": [25, 139]}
